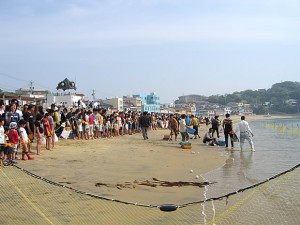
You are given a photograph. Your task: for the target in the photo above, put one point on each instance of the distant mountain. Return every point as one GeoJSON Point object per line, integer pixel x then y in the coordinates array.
{"type": "Point", "coordinates": [282, 97]}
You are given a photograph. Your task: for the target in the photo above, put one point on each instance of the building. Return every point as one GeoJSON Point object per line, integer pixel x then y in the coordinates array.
{"type": "Point", "coordinates": [222, 111]}
{"type": "Point", "coordinates": [117, 104]}
{"type": "Point", "coordinates": [206, 112]}
{"type": "Point", "coordinates": [132, 103]}
{"type": "Point", "coordinates": [68, 100]}
{"type": "Point", "coordinates": [292, 102]}
{"type": "Point", "coordinates": [150, 103]}
{"type": "Point", "coordinates": [6, 98]}
{"type": "Point", "coordinates": [33, 93]}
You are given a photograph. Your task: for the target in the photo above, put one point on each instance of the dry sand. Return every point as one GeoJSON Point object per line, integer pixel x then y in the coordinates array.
{"type": "Point", "coordinates": [122, 160]}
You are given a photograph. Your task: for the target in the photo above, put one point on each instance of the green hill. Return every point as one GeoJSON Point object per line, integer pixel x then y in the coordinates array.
{"type": "Point", "coordinates": [282, 97]}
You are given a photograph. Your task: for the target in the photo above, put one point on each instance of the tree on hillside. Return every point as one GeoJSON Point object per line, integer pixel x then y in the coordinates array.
{"type": "Point", "coordinates": [277, 95]}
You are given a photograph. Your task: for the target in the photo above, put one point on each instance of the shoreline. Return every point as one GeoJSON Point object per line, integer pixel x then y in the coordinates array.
{"type": "Point", "coordinates": [121, 162]}
{"type": "Point", "coordinates": [125, 160]}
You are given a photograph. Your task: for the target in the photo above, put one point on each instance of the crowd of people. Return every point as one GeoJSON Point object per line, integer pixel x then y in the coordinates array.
{"type": "Point", "coordinates": [19, 128]}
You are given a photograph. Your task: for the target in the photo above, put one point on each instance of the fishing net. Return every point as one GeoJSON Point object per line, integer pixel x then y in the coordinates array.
{"type": "Point", "coordinates": [30, 199]}
{"type": "Point", "coordinates": [290, 129]}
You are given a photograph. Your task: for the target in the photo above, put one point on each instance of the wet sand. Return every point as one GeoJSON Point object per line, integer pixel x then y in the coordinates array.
{"type": "Point", "coordinates": [120, 161]}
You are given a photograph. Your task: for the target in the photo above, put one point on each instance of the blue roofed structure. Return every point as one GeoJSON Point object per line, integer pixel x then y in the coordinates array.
{"type": "Point", "coordinates": [150, 103]}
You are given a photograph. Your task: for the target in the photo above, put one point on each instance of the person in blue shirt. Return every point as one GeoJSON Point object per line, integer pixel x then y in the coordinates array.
{"type": "Point", "coordinates": [187, 120]}
{"type": "Point", "coordinates": [12, 115]}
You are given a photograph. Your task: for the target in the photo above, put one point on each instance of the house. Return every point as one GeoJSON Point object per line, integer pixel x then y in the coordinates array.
{"type": "Point", "coordinates": [150, 103]}
{"type": "Point", "coordinates": [116, 102]}
{"type": "Point", "coordinates": [132, 103]}
{"type": "Point", "coordinates": [6, 98]}
{"type": "Point", "coordinates": [292, 102]}
{"type": "Point", "coordinates": [65, 99]}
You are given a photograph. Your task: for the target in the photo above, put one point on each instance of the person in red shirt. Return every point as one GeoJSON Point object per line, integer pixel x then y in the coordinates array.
{"type": "Point", "coordinates": [47, 131]}
{"type": "Point", "coordinates": [13, 137]}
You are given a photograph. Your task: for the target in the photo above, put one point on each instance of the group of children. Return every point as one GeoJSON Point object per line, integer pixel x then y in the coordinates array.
{"type": "Point", "coordinates": [20, 128]}
{"type": "Point", "coordinates": [10, 138]}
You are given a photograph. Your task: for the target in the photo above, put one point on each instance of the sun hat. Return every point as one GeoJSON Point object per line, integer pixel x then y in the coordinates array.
{"type": "Point", "coordinates": [12, 125]}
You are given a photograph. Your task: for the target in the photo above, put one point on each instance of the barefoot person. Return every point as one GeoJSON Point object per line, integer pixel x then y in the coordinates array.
{"type": "Point", "coordinates": [47, 131]}
{"type": "Point", "coordinates": [39, 133]}
{"type": "Point", "coordinates": [228, 130]}
{"type": "Point", "coordinates": [245, 133]}
{"type": "Point", "coordinates": [24, 140]}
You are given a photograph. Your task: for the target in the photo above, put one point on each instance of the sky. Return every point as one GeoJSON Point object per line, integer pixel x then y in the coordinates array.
{"type": "Point", "coordinates": [171, 47]}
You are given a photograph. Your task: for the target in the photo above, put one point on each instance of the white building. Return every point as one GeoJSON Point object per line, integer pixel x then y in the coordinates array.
{"type": "Point", "coordinates": [68, 100]}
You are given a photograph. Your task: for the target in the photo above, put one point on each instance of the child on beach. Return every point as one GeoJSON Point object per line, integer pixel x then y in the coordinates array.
{"type": "Point", "coordinates": [74, 125]}
{"type": "Point", "coordinates": [24, 140]}
{"type": "Point", "coordinates": [116, 127]}
{"type": "Point", "coordinates": [108, 128]}
{"type": "Point", "coordinates": [14, 140]}
{"type": "Point", "coordinates": [101, 118]}
{"type": "Point", "coordinates": [91, 124]}
{"type": "Point", "coordinates": [96, 117]}
{"type": "Point", "coordinates": [129, 123]}
{"type": "Point", "coordinates": [80, 129]}
{"type": "Point", "coordinates": [8, 145]}
{"type": "Point", "coordinates": [47, 131]}
{"type": "Point", "coordinates": [119, 122]}
{"type": "Point", "coordinates": [2, 140]}
{"type": "Point", "coordinates": [87, 126]}
{"type": "Point", "coordinates": [52, 125]}
{"type": "Point", "coordinates": [39, 133]}
{"type": "Point", "coordinates": [5, 147]}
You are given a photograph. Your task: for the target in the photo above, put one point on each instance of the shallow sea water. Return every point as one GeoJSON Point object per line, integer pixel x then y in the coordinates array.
{"type": "Point", "coordinates": [277, 150]}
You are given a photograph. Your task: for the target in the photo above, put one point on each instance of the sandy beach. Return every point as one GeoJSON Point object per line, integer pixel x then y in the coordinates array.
{"type": "Point", "coordinates": [122, 163]}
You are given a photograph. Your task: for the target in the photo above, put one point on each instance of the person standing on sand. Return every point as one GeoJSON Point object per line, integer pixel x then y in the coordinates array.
{"type": "Point", "coordinates": [27, 115]}
{"type": "Point", "coordinates": [145, 123]}
{"type": "Point", "coordinates": [195, 124]}
{"type": "Point", "coordinates": [245, 133]}
{"type": "Point", "coordinates": [206, 121]}
{"type": "Point", "coordinates": [215, 123]}
{"type": "Point", "coordinates": [228, 130]}
{"type": "Point", "coordinates": [182, 129]}
{"type": "Point", "coordinates": [173, 126]}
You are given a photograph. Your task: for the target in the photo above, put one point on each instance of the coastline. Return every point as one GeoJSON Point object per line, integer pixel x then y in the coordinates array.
{"type": "Point", "coordinates": [120, 161]}
{"type": "Point", "coordinates": [123, 160]}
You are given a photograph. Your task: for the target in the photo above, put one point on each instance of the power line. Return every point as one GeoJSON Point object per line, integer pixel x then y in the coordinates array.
{"type": "Point", "coordinates": [12, 77]}
{"type": "Point", "coordinates": [27, 81]}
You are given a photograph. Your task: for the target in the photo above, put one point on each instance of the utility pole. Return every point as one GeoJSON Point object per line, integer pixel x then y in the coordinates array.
{"type": "Point", "coordinates": [31, 86]}
{"type": "Point", "coordinates": [94, 94]}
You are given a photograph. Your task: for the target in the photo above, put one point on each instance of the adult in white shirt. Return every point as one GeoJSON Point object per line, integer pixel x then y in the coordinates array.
{"type": "Point", "coordinates": [182, 129]}
{"type": "Point", "coordinates": [209, 139]}
{"type": "Point", "coordinates": [245, 133]}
